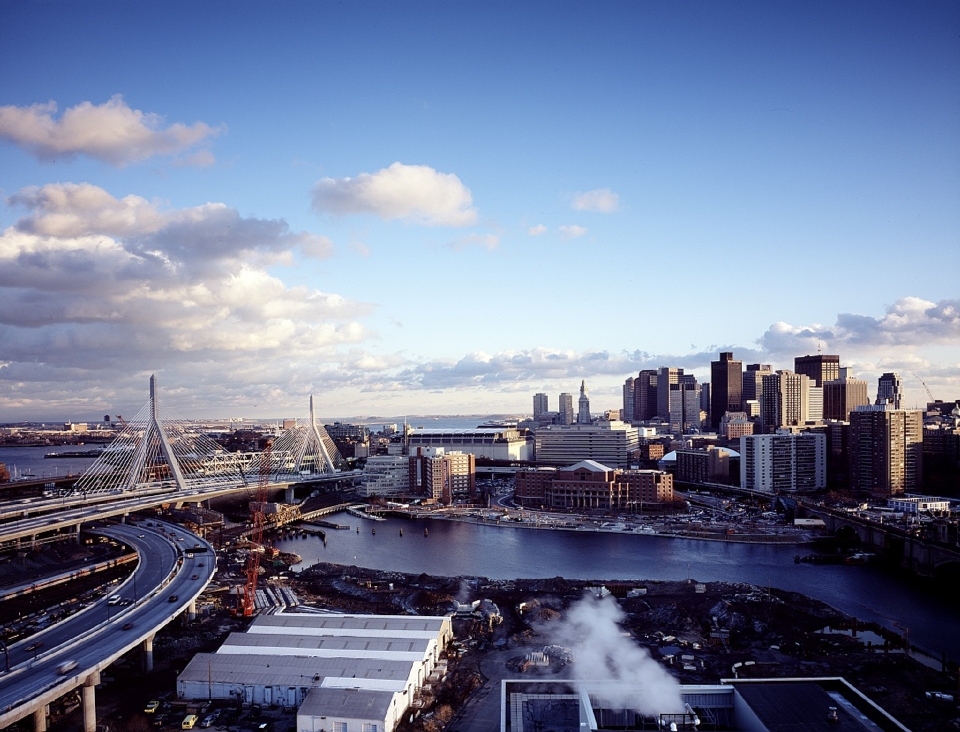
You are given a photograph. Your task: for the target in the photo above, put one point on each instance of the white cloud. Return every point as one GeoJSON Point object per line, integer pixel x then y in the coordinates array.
{"type": "Point", "coordinates": [486, 241]}
{"type": "Point", "coordinates": [602, 200]}
{"type": "Point", "coordinates": [537, 230]}
{"type": "Point", "coordinates": [111, 132]}
{"type": "Point", "coordinates": [910, 321]}
{"type": "Point", "coordinates": [571, 231]}
{"type": "Point", "coordinates": [413, 193]}
{"type": "Point", "coordinates": [121, 285]}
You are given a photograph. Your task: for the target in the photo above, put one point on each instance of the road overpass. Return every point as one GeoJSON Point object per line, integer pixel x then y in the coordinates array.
{"type": "Point", "coordinates": [174, 568]}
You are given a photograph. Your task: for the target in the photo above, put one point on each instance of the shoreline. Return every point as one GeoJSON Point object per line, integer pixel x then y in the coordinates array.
{"type": "Point", "coordinates": [801, 538]}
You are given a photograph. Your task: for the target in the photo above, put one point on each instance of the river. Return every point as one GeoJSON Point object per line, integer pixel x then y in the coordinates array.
{"type": "Point", "coordinates": [453, 548]}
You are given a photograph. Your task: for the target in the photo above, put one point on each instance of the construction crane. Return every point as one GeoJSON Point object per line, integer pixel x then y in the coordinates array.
{"type": "Point", "coordinates": [246, 603]}
{"type": "Point", "coordinates": [926, 389]}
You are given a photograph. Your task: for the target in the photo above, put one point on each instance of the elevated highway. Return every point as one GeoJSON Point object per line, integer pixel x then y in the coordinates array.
{"type": "Point", "coordinates": [174, 568]}
{"type": "Point", "coordinates": [28, 520]}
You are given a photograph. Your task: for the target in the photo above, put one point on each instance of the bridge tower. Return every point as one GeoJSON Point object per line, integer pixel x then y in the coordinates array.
{"type": "Point", "coordinates": [306, 449]}
{"type": "Point", "coordinates": [158, 450]}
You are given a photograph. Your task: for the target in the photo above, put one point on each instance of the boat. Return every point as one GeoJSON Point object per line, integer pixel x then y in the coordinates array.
{"type": "Point", "coordinates": [374, 532]}
{"type": "Point", "coordinates": [426, 532]}
{"type": "Point", "coordinates": [401, 532]}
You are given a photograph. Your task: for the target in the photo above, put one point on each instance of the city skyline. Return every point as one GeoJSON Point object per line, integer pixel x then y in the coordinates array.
{"type": "Point", "coordinates": [436, 209]}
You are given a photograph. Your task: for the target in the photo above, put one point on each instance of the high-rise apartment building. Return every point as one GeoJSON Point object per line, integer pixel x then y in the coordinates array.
{"type": "Point", "coordinates": [541, 404]}
{"type": "Point", "coordinates": [726, 387]}
{"type": "Point", "coordinates": [885, 449]}
{"type": "Point", "coordinates": [566, 408]}
{"type": "Point", "coordinates": [645, 395]}
{"type": "Point", "coordinates": [628, 399]}
{"type": "Point", "coordinates": [820, 368]}
{"type": "Point", "coordinates": [890, 390]}
{"type": "Point", "coordinates": [842, 395]}
{"type": "Point", "coordinates": [753, 381]}
{"type": "Point", "coordinates": [783, 463]}
{"type": "Point", "coordinates": [786, 401]}
{"type": "Point", "coordinates": [443, 476]}
{"type": "Point", "coordinates": [583, 411]}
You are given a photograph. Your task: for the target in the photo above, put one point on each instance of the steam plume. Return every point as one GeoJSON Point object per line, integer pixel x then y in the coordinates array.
{"type": "Point", "coordinates": [628, 677]}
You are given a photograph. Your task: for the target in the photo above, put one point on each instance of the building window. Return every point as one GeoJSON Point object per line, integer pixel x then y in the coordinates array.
{"type": "Point", "coordinates": [339, 727]}
{"type": "Point", "coordinates": [370, 727]}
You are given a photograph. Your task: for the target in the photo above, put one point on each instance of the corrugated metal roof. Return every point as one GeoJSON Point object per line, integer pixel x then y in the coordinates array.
{"type": "Point", "coordinates": [352, 703]}
{"type": "Point", "coordinates": [264, 670]}
{"type": "Point", "coordinates": [244, 642]}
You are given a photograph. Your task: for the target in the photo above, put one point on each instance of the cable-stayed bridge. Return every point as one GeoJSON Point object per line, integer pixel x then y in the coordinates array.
{"type": "Point", "coordinates": [156, 449]}
{"type": "Point", "coordinates": [159, 458]}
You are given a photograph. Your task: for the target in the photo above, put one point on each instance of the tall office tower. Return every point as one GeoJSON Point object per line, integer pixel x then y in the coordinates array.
{"type": "Point", "coordinates": [629, 397]}
{"type": "Point", "coordinates": [885, 449]}
{"type": "Point", "coordinates": [645, 395]}
{"type": "Point", "coordinates": [566, 408]}
{"type": "Point", "coordinates": [785, 400]}
{"type": "Point", "coordinates": [841, 396]}
{"type": "Point", "coordinates": [583, 413]}
{"type": "Point", "coordinates": [684, 405]}
{"type": "Point", "coordinates": [753, 380]}
{"type": "Point", "coordinates": [541, 404]}
{"type": "Point", "coordinates": [726, 387]}
{"type": "Point", "coordinates": [705, 397]}
{"type": "Point", "coordinates": [666, 377]}
{"type": "Point", "coordinates": [819, 368]}
{"type": "Point", "coordinates": [890, 389]}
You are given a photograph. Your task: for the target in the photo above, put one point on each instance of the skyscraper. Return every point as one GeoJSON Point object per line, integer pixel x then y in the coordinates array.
{"type": "Point", "coordinates": [583, 413]}
{"type": "Point", "coordinates": [785, 400]}
{"type": "Point", "coordinates": [541, 404]}
{"type": "Point", "coordinates": [841, 396]}
{"type": "Point", "coordinates": [666, 377]}
{"type": "Point", "coordinates": [890, 389]}
{"type": "Point", "coordinates": [629, 397]}
{"type": "Point", "coordinates": [753, 380]}
{"type": "Point", "coordinates": [566, 408]}
{"type": "Point", "coordinates": [684, 405]}
{"type": "Point", "coordinates": [819, 368]}
{"type": "Point", "coordinates": [726, 387]}
{"type": "Point", "coordinates": [645, 395]}
{"type": "Point", "coordinates": [885, 449]}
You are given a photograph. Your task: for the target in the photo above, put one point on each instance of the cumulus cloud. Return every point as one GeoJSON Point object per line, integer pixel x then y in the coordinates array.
{"type": "Point", "coordinates": [571, 231]}
{"type": "Point", "coordinates": [537, 230]}
{"type": "Point", "coordinates": [412, 193]}
{"type": "Point", "coordinates": [125, 284]}
{"type": "Point", "coordinates": [910, 321]}
{"type": "Point", "coordinates": [111, 132]}
{"type": "Point", "coordinates": [601, 200]}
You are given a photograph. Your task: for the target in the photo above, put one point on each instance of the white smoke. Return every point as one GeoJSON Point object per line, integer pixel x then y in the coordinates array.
{"type": "Point", "coordinates": [624, 674]}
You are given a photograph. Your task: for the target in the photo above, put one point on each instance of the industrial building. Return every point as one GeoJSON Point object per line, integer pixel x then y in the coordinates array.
{"type": "Point", "coordinates": [735, 705]}
{"type": "Point", "coordinates": [362, 671]}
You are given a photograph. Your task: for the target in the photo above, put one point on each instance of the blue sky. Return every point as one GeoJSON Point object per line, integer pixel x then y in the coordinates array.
{"type": "Point", "coordinates": [447, 207]}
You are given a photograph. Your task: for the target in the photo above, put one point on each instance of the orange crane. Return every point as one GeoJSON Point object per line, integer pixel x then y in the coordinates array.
{"type": "Point", "coordinates": [246, 603]}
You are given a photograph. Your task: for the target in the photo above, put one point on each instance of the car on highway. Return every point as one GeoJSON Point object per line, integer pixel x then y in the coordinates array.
{"type": "Point", "coordinates": [196, 576]}
{"type": "Point", "coordinates": [114, 600]}
{"type": "Point", "coordinates": [173, 598]}
{"type": "Point", "coordinates": [127, 626]}
{"type": "Point", "coordinates": [34, 646]}
{"type": "Point", "coordinates": [66, 667]}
